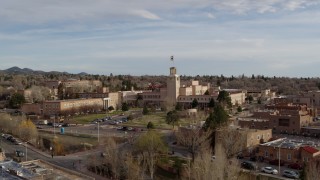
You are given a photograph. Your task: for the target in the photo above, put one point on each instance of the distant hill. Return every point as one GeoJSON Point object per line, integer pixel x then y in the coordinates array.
{"type": "Point", "coordinates": [17, 70]}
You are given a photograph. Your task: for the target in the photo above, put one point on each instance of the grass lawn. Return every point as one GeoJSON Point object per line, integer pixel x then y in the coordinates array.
{"type": "Point", "coordinates": [159, 121]}
{"type": "Point", "coordinates": [71, 139]}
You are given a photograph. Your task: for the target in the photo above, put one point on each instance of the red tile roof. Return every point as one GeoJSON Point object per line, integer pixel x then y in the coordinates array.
{"type": "Point", "coordinates": [310, 149]}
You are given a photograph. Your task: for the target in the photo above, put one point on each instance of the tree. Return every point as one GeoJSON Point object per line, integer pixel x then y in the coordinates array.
{"type": "Point", "coordinates": [205, 167]}
{"type": "Point", "coordinates": [178, 107]}
{"type": "Point", "coordinates": [150, 145]}
{"type": "Point", "coordinates": [172, 118]}
{"type": "Point", "coordinates": [150, 125]}
{"type": "Point", "coordinates": [232, 140]}
{"type": "Point", "coordinates": [312, 170]}
{"type": "Point", "coordinates": [211, 103]}
{"type": "Point", "coordinates": [207, 92]}
{"type": "Point", "coordinates": [194, 103]}
{"type": "Point", "coordinates": [61, 93]}
{"type": "Point", "coordinates": [193, 138]}
{"type": "Point", "coordinates": [145, 110]}
{"type": "Point", "coordinates": [16, 100]}
{"type": "Point", "coordinates": [125, 107]}
{"type": "Point", "coordinates": [239, 109]}
{"type": "Point", "coordinates": [216, 119]}
{"type": "Point", "coordinates": [224, 98]}
{"type": "Point", "coordinates": [39, 94]}
{"type": "Point", "coordinates": [28, 130]}
{"type": "Point", "coordinates": [110, 108]}
{"type": "Point", "coordinates": [250, 98]}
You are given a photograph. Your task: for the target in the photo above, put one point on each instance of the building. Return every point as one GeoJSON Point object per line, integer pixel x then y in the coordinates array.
{"type": "Point", "coordinates": [281, 117]}
{"type": "Point", "coordinates": [244, 140]}
{"type": "Point", "coordinates": [260, 93]}
{"type": "Point", "coordinates": [291, 151]}
{"type": "Point", "coordinates": [36, 170]}
{"type": "Point", "coordinates": [238, 96]}
{"type": "Point", "coordinates": [173, 87]}
{"type": "Point", "coordinates": [73, 105]}
{"type": "Point", "coordinates": [310, 98]}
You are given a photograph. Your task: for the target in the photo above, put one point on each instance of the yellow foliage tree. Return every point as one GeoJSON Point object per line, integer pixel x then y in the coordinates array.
{"type": "Point", "coordinates": [28, 130]}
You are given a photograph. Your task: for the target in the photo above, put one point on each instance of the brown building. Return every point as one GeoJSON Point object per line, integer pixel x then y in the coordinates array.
{"type": "Point", "coordinates": [290, 151]}
{"type": "Point", "coordinates": [280, 117]}
{"type": "Point", "coordinates": [61, 106]}
{"type": "Point", "coordinates": [31, 108]}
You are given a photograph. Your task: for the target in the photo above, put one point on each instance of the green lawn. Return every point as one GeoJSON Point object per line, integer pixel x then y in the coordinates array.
{"type": "Point", "coordinates": [158, 119]}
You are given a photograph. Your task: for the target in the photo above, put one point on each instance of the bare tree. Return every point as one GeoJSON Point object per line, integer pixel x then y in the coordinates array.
{"type": "Point", "coordinates": [150, 146]}
{"type": "Point", "coordinates": [313, 170]}
{"type": "Point", "coordinates": [39, 93]}
{"type": "Point", "coordinates": [233, 140]}
{"type": "Point", "coordinates": [218, 168]}
{"type": "Point", "coordinates": [194, 138]}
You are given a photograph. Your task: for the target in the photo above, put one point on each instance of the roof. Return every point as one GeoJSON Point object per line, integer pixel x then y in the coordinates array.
{"type": "Point", "coordinates": [310, 149]}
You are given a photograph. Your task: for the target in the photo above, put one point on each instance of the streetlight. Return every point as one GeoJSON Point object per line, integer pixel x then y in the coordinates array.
{"type": "Point", "coordinates": [98, 133]}
{"type": "Point", "coordinates": [279, 155]}
{"type": "Point", "coordinates": [27, 148]}
{"type": "Point", "coordinates": [51, 151]}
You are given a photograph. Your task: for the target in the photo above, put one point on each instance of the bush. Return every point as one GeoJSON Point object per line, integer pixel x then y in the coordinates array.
{"type": "Point", "coordinates": [150, 125]}
{"type": "Point", "coordinates": [110, 108]}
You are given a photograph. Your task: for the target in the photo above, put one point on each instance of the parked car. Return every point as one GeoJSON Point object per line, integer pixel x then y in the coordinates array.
{"type": "Point", "coordinates": [291, 174]}
{"type": "Point", "coordinates": [130, 128]}
{"type": "Point", "coordinates": [240, 156]}
{"type": "Point", "coordinates": [124, 128]}
{"type": "Point", "coordinates": [112, 122]}
{"type": "Point", "coordinates": [253, 158]}
{"type": "Point", "coordinates": [276, 162]}
{"type": "Point", "coordinates": [19, 153]}
{"type": "Point", "coordinates": [295, 166]}
{"type": "Point", "coordinates": [248, 165]}
{"type": "Point", "coordinates": [17, 142]}
{"type": "Point", "coordinates": [119, 128]}
{"type": "Point", "coordinates": [269, 170]}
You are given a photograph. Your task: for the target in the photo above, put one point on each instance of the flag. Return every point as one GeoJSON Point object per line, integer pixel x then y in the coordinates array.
{"type": "Point", "coordinates": [171, 58]}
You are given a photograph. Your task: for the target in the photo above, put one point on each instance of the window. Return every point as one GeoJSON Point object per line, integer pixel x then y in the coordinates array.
{"type": "Point", "coordinates": [258, 137]}
{"type": "Point", "coordinates": [289, 156]}
{"type": "Point", "coordinates": [266, 154]}
{"type": "Point", "coordinates": [284, 122]}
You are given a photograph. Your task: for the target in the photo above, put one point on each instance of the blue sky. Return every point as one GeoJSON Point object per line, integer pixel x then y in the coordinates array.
{"type": "Point", "coordinates": [206, 37]}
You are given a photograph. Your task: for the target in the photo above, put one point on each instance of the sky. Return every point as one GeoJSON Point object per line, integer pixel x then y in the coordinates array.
{"type": "Point", "coordinates": [137, 37]}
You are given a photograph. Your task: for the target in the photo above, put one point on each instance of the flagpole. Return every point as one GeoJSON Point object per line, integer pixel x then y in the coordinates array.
{"type": "Point", "coordinates": [172, 59]}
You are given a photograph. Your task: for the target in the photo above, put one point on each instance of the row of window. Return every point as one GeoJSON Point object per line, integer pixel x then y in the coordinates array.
{"type": "Point", "coordinates": [266, 154]}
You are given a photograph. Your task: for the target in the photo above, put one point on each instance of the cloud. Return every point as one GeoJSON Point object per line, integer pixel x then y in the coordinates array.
{"type": "Point", "coordinates": [211, 16]}
{"type": "Point", "coordinates": [146, 14]}
{"type": "Point", "coordinates": [40, 11]}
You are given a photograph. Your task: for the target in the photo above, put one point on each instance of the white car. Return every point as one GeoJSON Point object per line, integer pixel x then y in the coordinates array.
{"type": "Point", "coordinates": [269, 170]}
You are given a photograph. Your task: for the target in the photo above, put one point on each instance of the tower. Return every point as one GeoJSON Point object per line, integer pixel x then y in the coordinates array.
{"type": "Point", "coordinates": [173, 86]}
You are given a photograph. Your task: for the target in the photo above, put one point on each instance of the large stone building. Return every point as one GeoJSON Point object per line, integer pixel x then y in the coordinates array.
{"type": "Point", "coordinates": [281, 117]}
{"type": "Point", "coordinates": [184, 94]}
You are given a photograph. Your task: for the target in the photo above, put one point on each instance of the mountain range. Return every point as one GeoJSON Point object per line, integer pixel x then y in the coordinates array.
{"type": "Point", "coordinates": [17, 70]}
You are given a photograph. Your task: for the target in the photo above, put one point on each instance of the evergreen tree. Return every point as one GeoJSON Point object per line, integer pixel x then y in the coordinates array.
{"type": "Point", "coordinates": [145, 110]}
{"type": "Point", "coordinates": [211, 103]}
{"type": "Point", "coordinates": [125, 107]}
{"type": "Point", "coordinates": [224, 98]}
{"type": "Point", "coordinates": [194, 103]}
{"type": "Point", "coordinates": [172, 118]}
{"type": "Point", "coordinates": [16, 100]}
